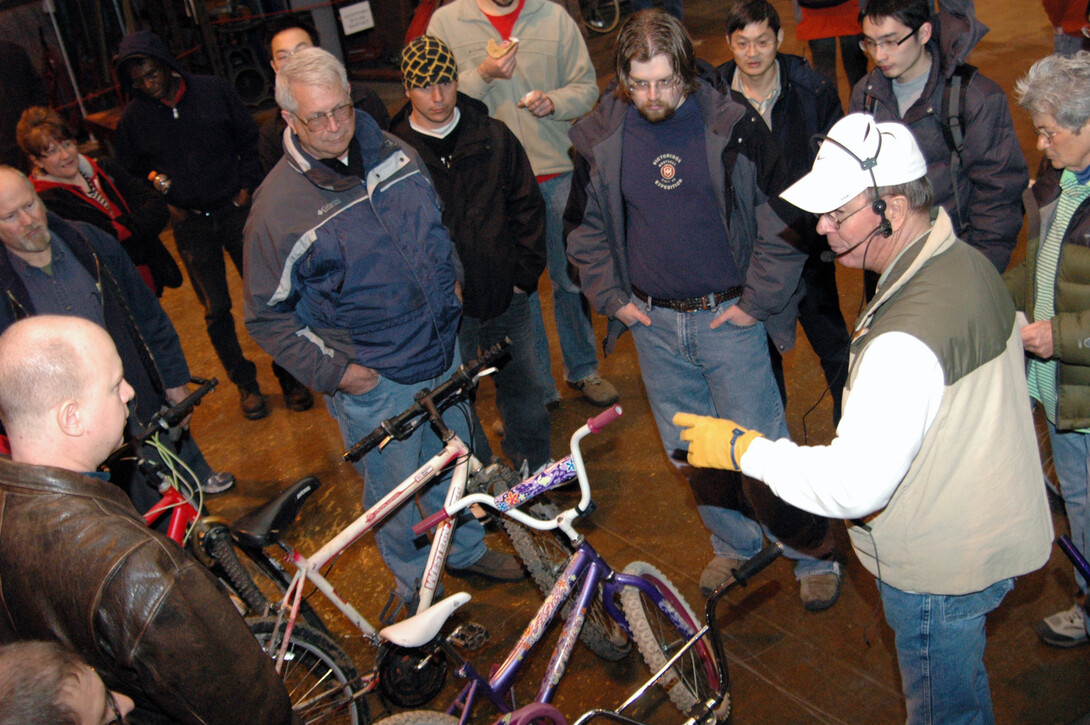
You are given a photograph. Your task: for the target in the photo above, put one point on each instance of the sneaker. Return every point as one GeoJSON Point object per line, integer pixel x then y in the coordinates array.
{"type": "Point", "coordinates": [1064, 629]}
{"type": "Point", "coordinates": [494, 565]}
{"type": "Point", "coordinates": [218, 483]}
{"type": "Point", "coordinates": [819, 591]}
{"type": "Point", "coordinates": [597, 390]}
{"type": "Point", "coordinates": [253, 404]}
{"type": "Point", "coordinates": [716, 572]}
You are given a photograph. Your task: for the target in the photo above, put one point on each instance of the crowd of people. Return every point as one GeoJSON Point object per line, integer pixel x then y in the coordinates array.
{"type": "Point", "coordinates": [701, 208]}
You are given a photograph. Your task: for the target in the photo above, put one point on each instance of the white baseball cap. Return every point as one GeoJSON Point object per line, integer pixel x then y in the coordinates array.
{"type": "Point", "coordinates": [856, 154]}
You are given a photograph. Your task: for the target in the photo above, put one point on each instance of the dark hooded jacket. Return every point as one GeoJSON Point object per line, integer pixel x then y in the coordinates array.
{"type": "Point", "coordinates": [492, 206]}
{"type": "Point", "coordinates": [206, 143]}
{"type": "Point", "coordinates": [992, 172]}
{"type": "Point", "coordinates": [145, 338]}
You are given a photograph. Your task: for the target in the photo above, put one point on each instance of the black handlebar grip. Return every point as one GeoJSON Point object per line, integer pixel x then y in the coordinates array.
{"type": "Point", "coordinates": [177, 413]}
{"type": "Point", "coordinates": [358, 451]}
{"type": "Point", "coordinates": [753, 566]}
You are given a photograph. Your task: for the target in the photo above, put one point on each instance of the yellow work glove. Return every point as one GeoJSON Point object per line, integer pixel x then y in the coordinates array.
{"type": "Point", "coordinates": [714, 442]}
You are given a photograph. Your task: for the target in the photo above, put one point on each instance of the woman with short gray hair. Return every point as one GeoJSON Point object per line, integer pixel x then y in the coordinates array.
{"type": "Point", "coordinates": [1052, 286]}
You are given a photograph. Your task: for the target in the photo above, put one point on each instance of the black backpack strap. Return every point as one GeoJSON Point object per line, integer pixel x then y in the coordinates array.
{"type": "Point", "coordinates": [953, 107]}
{"type": "Point", "coordinates": [953, 129]}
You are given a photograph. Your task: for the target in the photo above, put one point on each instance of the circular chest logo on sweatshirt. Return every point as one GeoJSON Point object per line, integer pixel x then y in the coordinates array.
{"type": "Point", "coordinates": [667, 165]}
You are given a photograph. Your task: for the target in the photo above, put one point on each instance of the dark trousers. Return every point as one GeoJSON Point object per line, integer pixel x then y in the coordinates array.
{"type": "Point", "coordinates": [202, 240]}
{"type": "Point", "coordinates": [823, 53]}
{"type": "Point", "coordinates": [520, 393]}
{"type": "Point", "coordinates": [823, 323]}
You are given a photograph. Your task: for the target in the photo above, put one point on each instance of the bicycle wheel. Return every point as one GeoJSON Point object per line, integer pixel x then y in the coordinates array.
{"type": "Point", "coordinates": [419, 717]}
{"type": "Point", "coordinates": [601, 16]}
{"type": "Point", "coordinates": [694, 679]}
{"type": "Point", "coordinates": [545, 554]}
{"type": "Point", "coordinates": [321, 680]}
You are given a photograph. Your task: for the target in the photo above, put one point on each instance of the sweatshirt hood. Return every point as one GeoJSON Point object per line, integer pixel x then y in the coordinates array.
{"type": "Point", "coordinates": [145, 43]}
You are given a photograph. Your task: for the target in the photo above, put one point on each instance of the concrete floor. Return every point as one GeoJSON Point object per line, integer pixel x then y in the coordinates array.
{"type": "Point", "coordinates": [786, 665]}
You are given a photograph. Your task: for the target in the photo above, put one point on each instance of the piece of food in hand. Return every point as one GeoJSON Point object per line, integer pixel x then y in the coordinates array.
{"type": "Point", "coordinates": [525, 99]}
{"type": "Point", "coordinates": [498, 50]}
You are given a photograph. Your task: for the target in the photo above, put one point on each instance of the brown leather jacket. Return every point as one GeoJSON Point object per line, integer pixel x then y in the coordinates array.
{"type": "Point", "coordinates": [78, 565]}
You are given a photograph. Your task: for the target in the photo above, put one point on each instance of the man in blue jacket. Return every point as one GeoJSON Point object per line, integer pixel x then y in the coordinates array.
{"type": "Point", "coordinates": [196, 131]}
{"type": "Point", "coordinates": [796, 102]}
{"type": "Point", "coordinates": [350, 285]}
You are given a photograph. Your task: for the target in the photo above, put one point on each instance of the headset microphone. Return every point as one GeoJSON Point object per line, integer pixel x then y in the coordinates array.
{"type": "Point", "coordinates": [831, 256]}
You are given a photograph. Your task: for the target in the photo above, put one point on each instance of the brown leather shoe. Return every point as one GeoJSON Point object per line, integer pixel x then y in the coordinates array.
{"type": "Point", "coordinates": [253, 404]}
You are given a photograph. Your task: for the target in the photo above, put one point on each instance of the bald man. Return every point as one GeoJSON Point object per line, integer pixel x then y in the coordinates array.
{"type": "Point", "coordinates": [79, 565]}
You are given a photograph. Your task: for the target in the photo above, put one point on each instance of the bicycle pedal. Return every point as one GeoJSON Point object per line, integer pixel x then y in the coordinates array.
{"type": "Point", "coordinates": [469, 636]}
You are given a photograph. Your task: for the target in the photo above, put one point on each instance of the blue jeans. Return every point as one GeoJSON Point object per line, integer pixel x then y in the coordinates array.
{"type": "Point", "coordinates": [687, 366]}
{"type": "Point", "coordinates": [940, 652]}
{"type": "Point", "coordinates": [520, 394]}
{"type": "Point", "coordinates": [404, 553]}
{"type": "Point", "coordinates": [572, 314]}
{"type": "Point", "coordinates": [1071, 457]}
{"type": "Point", "coordinates": [202, 240]}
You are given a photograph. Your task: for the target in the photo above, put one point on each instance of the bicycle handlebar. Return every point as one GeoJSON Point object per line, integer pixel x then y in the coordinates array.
{"type": "Point", "coordinates": [428, 404]}
{"type": "Point", "coordinates": [172, 416]}
{"type": "Point", "coordinates": [556, 474]}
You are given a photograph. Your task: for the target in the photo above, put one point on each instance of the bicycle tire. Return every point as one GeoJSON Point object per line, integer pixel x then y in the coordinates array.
{"type": "Point", "coordinates": [545, 554]}
{"type": "Point", "coordinates": [694, 679]}
{"type": "Point", "coordinates": [419, 717]}
{"type": "Point", "coordinates": [314, 661]}
{"type": "Point", "coordinates": [601, 16]}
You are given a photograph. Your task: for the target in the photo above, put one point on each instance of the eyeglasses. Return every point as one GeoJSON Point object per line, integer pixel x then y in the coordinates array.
{"type": "Point", "coordinates": [1047, 135]}
{"type": "Point", "coordinates": [837, 222]}
{"type": "Point", "coordinates": [660, 85]}
{"type": "Point", "coordinates": [319, 121]}
{"type": "Point", "coordinates": [57, 148]}
{"type": "Point", "coordinates": [887, 46]}
{"type": "Point", "coordinates": [114, 710]}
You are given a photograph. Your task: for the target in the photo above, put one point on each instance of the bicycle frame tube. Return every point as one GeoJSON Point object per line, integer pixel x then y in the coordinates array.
{"type": "Point", "coordinates": [586, 565]}
{"type": "Point", "coordinates": [182, 514]}
{"type": "Point", "coordinates": [440, 544]}
{"type": "Point", "coordinates": [309, 568]}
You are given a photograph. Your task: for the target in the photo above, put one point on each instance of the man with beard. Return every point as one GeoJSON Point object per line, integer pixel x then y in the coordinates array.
{"type": "Point", "coordinates": [679, 236]}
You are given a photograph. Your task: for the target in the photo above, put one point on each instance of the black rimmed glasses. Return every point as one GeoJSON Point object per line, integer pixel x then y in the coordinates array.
{"type": "Point", "coordinates": [888, 46]}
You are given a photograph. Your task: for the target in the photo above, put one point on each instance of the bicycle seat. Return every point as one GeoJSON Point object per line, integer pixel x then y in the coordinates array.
{"type": "Point", "coordinates": [422, 628]}
{"type": "Point", "coordinates": [263, 525]}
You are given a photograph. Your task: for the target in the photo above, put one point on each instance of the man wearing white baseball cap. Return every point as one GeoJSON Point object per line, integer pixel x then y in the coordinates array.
{"type": "Point", "coordinates": [934, 463]}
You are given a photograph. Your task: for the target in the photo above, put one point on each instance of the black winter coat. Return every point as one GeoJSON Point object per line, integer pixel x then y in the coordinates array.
{"type": "Point", "coordinates": [493, 207]}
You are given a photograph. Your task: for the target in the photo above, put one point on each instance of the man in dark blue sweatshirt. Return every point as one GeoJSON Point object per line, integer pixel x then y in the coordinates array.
{"type": "Point", "coordinates": [196, 131]}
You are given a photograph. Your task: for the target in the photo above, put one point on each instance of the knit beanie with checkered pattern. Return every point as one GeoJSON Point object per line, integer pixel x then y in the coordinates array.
{"type": "Point", "coordinates": [427, 61]}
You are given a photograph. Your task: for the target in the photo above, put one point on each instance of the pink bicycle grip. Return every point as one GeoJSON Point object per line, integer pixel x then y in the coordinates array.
{"type": "Point", "coordinates": [434, 520]}
{"type": "Point", "coordinates": [604, 418]}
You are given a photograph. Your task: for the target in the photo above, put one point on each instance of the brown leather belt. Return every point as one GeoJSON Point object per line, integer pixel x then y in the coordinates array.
{"type": "Point", "coordinates": [691, 304]}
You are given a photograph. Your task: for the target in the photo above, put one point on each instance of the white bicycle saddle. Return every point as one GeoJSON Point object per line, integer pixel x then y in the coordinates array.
{"type": "Point", "coordinates": [422, 628]}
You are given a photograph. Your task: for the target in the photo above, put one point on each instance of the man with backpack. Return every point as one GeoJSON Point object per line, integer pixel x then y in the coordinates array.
{"type": "Point", "coordinates": [959, 118]}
